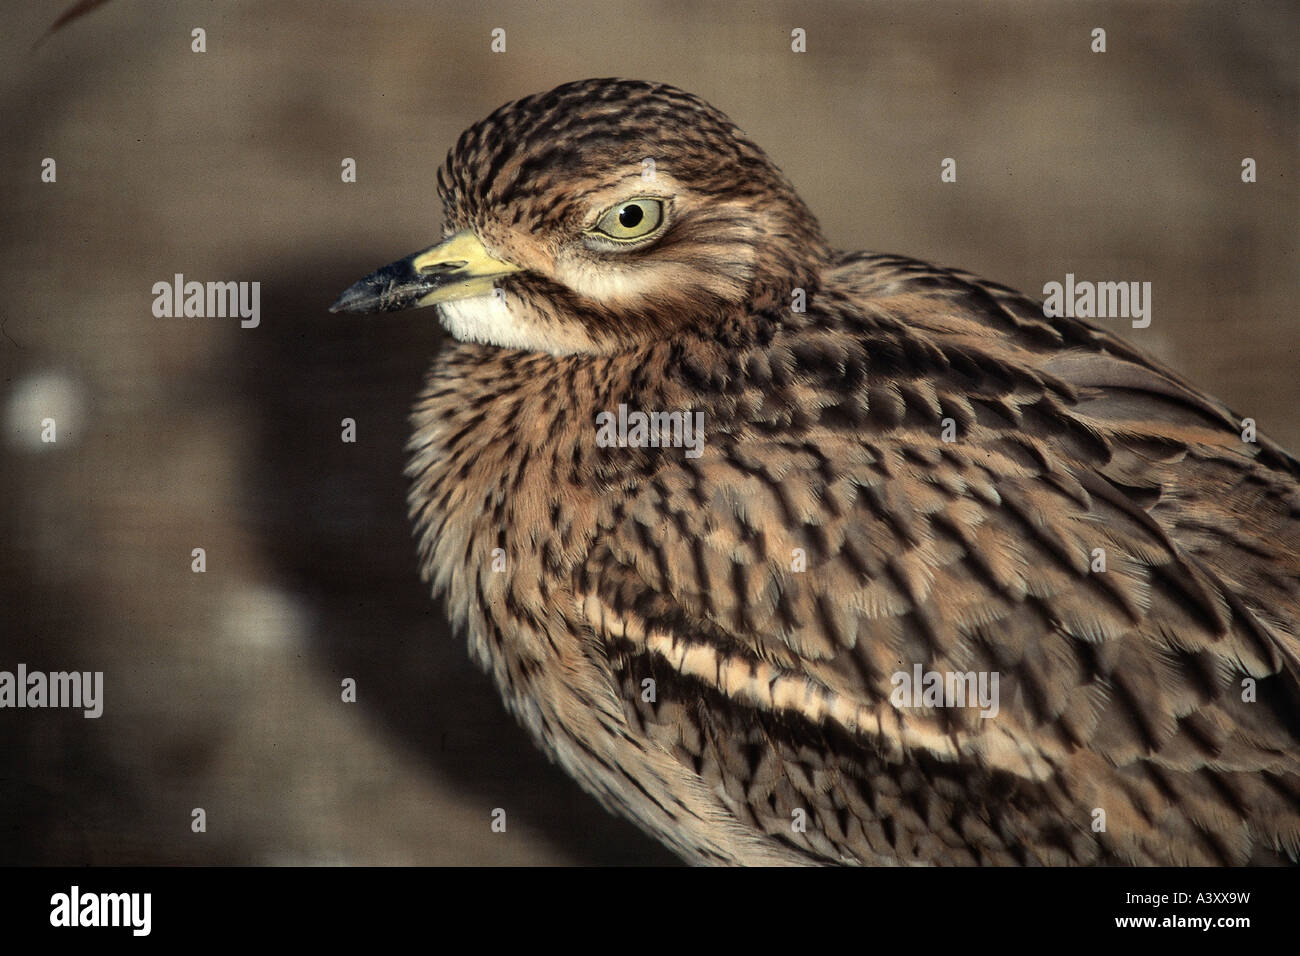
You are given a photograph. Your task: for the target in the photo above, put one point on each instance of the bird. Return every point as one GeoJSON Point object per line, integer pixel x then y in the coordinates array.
{"type": "Point", "coordinates": [797, 556]}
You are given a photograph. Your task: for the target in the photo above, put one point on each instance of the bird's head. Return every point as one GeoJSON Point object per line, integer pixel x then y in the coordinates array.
{"type": "Point", "coordinates": [603, 215]}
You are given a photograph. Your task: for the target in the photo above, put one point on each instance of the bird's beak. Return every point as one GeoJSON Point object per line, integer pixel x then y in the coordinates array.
{"type": "Point", "coordinates": [457, 268]}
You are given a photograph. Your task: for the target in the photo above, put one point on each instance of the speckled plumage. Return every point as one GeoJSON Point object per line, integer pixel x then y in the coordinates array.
{"type": "Point", "coordinates": [1120, 690]}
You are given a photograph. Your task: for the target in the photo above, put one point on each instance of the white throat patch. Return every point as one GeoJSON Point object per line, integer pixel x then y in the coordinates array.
{"type": "Point", "coordinates": [487, 320]}
{"type": "Point", "coordinates": [484, 319]}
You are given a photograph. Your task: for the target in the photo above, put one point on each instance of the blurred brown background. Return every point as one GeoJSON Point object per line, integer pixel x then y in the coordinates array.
{"type": "Point", "coordinates": [223, 688]}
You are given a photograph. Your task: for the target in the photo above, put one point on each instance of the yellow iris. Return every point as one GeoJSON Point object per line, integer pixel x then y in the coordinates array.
{"type": "Point", "coordinates": [630, 220]}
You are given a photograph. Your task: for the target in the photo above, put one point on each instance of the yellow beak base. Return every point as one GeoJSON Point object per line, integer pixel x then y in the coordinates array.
{"type": "Point", "coordinates": [457, 268]}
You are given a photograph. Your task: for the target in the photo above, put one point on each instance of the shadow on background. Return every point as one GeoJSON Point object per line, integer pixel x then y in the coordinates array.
{"type": "Point", "coordinates": [332, 516]}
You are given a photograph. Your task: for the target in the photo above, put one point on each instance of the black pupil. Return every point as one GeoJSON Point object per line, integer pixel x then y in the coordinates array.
{"type": "Point", "coordinates": [629, 216]}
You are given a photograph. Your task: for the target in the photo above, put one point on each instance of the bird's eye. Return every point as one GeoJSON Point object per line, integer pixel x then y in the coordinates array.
{"type": "Point", "coordinates": [630, 220]}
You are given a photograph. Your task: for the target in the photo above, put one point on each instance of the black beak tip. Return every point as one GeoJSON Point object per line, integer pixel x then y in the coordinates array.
{"type": "Point", "coordinates": [391, 289]}
{"type": "Point", "coordinates": [358, 299]}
